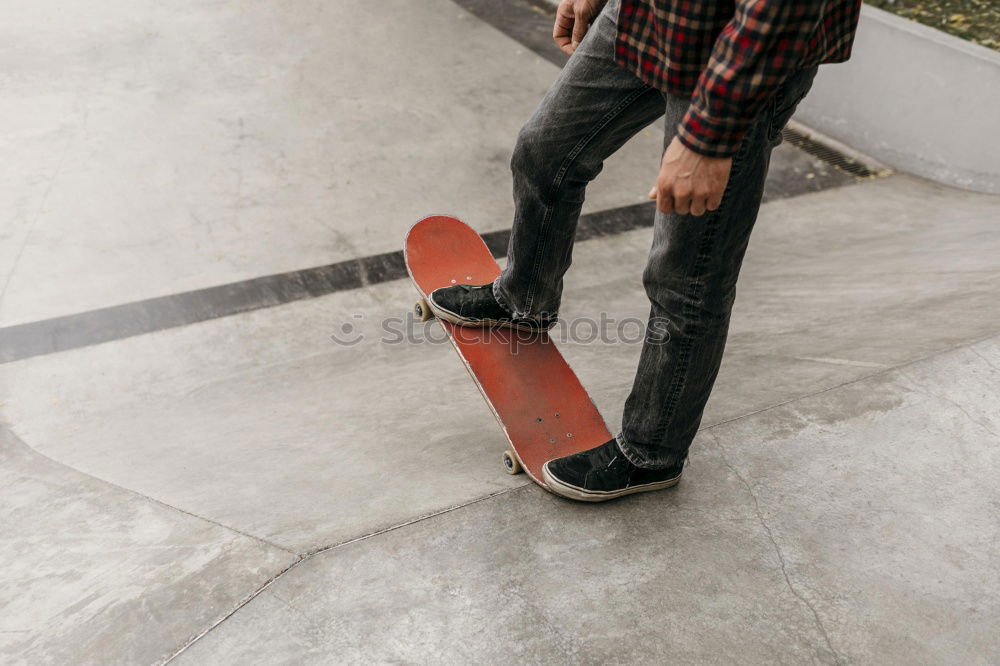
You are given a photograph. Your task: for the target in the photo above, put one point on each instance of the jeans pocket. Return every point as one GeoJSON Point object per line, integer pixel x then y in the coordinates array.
{"type": "Point", "coordinates": [786, 99]}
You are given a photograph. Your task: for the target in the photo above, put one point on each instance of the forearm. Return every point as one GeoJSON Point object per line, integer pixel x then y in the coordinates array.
{"type": "Point", "coordinates": [757, 50]}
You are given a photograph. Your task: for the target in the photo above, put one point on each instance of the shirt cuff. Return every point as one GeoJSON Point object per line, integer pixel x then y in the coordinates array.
{"type": "Point", "coordinates": [711, 137]}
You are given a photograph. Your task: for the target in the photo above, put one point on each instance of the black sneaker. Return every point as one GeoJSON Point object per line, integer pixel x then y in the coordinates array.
{"type": "Point", "coordinates": [468, 305]}
{"type": "Point", "coordinates": [604, 473]}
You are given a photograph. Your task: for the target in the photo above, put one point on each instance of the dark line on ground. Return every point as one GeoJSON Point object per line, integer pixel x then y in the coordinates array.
{"type": "Point", "coordinates": [73, 331]}
{"type": "Point", "coordinates": [528, 22]}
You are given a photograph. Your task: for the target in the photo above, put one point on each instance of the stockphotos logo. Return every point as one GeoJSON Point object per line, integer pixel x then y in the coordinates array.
{"type": "Point", "coordinates": [410, 330]}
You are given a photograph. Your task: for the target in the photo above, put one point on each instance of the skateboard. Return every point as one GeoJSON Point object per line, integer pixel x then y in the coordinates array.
{"type": "Point", "coordinates": [536, 397]}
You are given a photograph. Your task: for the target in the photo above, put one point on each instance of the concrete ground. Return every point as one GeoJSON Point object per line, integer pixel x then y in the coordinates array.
{"type": "Point", "coordinates": [244, 489]}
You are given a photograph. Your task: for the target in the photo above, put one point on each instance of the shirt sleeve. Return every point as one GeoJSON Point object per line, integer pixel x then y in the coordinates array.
{"type": "Point", "coordinates": [758, 49]}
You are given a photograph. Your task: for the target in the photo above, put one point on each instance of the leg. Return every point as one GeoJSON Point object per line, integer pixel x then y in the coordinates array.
{"type": "Point", "coordinates": [593, 108]}
{"type": "Point", "coordinates": [691, 283]}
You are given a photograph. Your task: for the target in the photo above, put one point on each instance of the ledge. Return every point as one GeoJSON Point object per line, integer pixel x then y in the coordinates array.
{"type": "Point", "coordinates": [916, 98]}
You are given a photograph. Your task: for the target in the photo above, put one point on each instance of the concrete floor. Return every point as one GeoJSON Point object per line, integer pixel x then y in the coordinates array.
{"type": "Point", "coordinates": [246, 490]}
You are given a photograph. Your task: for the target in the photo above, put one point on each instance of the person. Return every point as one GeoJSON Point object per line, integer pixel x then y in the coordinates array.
{"type": "Point", "coordinates": [727, 76]}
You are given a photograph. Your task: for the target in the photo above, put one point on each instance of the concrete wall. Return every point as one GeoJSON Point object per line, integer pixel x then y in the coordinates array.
{"type": "Point", "coordinates": [915, 98]}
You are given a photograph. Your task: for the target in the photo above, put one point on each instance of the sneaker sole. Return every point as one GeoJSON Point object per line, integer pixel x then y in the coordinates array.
{"type": "Point", "coordinates": [459, 320]}
{"type": "Point", "coordinates": [572, 492]}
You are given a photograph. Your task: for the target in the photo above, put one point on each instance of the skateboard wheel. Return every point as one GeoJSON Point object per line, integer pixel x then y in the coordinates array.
{"type": "Point", "coordinates": [421, 309]}
{"type": "Point", "coordinates": [510, 463]}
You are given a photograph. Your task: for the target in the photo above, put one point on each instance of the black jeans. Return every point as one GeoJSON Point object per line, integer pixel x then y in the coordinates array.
{"type": "Point", "coordinates": [594, 107]}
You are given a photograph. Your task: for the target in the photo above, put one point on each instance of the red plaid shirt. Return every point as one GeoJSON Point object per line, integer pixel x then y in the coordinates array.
{"type": "Point", "coordinates": [731, 54]}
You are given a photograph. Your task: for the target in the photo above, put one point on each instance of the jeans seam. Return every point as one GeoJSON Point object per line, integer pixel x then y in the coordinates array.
{"type": "Point", "coordinates": [556, 186]}
{"type": "Point", "coordinates": [696, 286]}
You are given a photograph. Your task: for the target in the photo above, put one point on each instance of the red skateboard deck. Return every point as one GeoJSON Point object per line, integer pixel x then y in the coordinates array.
{"type": "Point", "coordinates": [534, 394]}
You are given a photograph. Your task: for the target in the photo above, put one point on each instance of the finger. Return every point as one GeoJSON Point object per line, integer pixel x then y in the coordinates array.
{"type": "Point", "coordinates": [714, 202]}
{"type": "Point", "coordinates": [652, 192]}
{"type": "Point", "coordinates": [665, 202]}
{"type": "Point", "coordinates": [562, 29]}
{"type": "Point", "coordinates": [682, 204]}
{"type": "Point", "coordinates": [579, 27]}
{"type": "Point", "coordinates": [698, 206]}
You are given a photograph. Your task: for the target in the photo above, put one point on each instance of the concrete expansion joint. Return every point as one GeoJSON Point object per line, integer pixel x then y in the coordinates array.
{"type": "Point", "coordinates": [250, 597]}
{"type": "Point", "coordinates": [418, 519]}
{"type": "Point", "coordinates": [777, 551]}
{"type": "Point", "coordinates": [229, 528]}
{"type": "Point", "coordinates": [302, 557]}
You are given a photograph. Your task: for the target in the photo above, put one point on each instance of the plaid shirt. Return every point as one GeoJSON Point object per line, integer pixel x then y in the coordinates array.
{"type": "Point", "coordinates": [729, 55]}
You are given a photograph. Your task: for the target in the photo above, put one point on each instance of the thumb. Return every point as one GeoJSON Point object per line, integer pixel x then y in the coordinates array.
{"type": "Point", "coordinates": [652, 192]}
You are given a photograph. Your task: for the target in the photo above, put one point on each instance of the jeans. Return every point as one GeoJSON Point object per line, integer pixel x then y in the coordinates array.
{"type": "Point", "coordinates": [593, 108]}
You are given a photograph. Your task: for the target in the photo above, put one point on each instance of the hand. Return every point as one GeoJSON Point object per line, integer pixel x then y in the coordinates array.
{"type": "Point", "coordinates": [690, 182]}
{"type": "Point", "coordinates": [572, 20]}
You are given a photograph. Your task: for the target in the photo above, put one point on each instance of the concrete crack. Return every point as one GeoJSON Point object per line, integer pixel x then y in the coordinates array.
{"type": "Point", "coordinates": [916, 387]}
{"type": "Point", "coordinates": [885, 371]}
{"type": "Point", "coordinates": [777, 550]}
{"type": "Point", "coordinates": [985, 360]}
{"type": "Point", "coordinates": [38, 214]}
